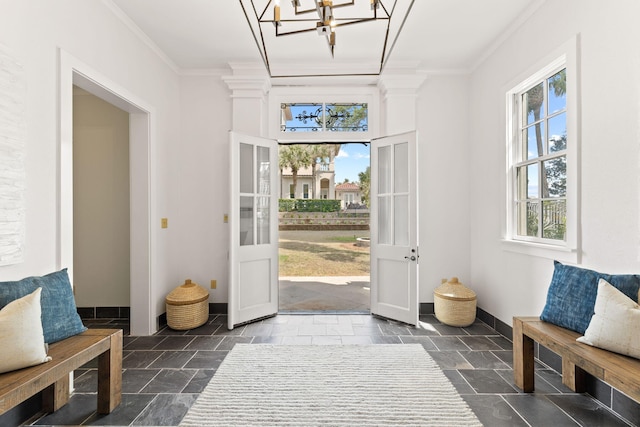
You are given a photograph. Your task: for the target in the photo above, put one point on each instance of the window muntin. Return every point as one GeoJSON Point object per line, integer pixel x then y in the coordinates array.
{"type": "Point", "coordinates": [539, 167]}
{"type": "Point", "coordinates": [324, 117]}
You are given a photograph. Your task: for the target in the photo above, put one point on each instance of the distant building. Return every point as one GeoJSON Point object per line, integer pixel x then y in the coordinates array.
{"type": "Point", "coordinates": [348, 193]}
{"type": "Point", "coordinates": [320, 186]}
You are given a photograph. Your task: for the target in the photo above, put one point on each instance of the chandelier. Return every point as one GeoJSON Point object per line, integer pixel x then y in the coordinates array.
{"type": "Point", "coordinates": [326, 22]}
{"type": "Point", "coordinates": [289, 18]}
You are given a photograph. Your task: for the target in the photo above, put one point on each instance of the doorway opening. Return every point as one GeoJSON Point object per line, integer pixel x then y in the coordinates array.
{"type": "Point", "coordinates": [74, 72]}
{"type": "Point", "coordinates": [100, 208]}
{"type": "Point", "coordinates": [324, 228]}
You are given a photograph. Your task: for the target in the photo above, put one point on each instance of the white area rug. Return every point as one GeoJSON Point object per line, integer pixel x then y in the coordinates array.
{"type": "Point", "coordinates": [335, 385]}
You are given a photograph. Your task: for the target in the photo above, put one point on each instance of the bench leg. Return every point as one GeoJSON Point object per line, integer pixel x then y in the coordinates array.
{"type": "Point", "coordinates": [573, 376]}
{"type": "Point", "coordinates": [56, 395]}
{"type": "Point", "coordinates": [523, 363]}
{"type": "Point", "coordinates": [110, 376]}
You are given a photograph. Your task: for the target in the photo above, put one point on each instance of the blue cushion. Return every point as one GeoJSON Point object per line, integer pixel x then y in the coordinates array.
{"type": "Point", "coordinates": [572, 295]}
{"type": "Point", "coordinates": [60, 318]}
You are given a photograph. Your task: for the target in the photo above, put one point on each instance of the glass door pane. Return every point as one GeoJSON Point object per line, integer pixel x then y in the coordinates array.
{"type": "Point", "coordinates": [263, 167]}
{"type": "Point", "coordinates": [401, 220]}
{"type": "Point", "coordinates": [384, 170]}
{"type": "Point", "coordinates": [264, 217]}
{"type": "Point", "coordinates": [400, 171]}
{"type": "Point", "coordinates": [246, 168]}
{"type": "Point", "coordinates": [246, 220]}
{"type": "Point", "coordinates": [384, 220]}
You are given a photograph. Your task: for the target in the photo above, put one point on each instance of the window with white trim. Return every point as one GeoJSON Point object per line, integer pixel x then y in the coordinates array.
{"type": "Point", "coordinates": [542, 148]}
{"type": "Point", "coordinates": [540, 167]}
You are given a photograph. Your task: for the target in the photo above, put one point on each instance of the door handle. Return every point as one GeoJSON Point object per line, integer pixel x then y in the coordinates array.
{"type": "Point", "coordinates": [414, 255]}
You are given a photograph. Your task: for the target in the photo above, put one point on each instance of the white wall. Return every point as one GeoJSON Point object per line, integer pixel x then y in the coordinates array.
{"type": "Point", "coordinates": [34, 30]}
{"type": "Point", "coordinates": [100, 202]}
{"type": "Point", "coordinates": [443, 181]}
{"type": "Point", "coordinates": [460, 120]}
{"type": "Point", "coordinates": [203, 199]}
{"type": "Point", "coordinates": [511, 284]}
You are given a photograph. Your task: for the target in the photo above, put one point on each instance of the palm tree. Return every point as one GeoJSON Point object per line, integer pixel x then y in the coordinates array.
{"type": "Point", "coordinates": [295, 157]}
{"type": "Point", "coordinates": [534, 100]}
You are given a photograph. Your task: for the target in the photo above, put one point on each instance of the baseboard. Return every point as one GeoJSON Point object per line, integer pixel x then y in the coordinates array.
{"type": "Point", "coordinates": [495, 323]}
{"type": "Point", "coordinates": [427, 308]}
{"type": "Point", "coordinates": [104, 312]}
{"type": "Point", "coordinates": [218, 308]}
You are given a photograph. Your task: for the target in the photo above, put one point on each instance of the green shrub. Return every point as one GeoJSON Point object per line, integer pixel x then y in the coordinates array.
{"type": "Point", "coordinates": [287, 205]}
{"type": "Point", "coordinates": [309, 205]}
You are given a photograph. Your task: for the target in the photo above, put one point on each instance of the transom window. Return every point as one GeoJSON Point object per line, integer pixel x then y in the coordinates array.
{"type": "Point", "coordinates": [323, 117]}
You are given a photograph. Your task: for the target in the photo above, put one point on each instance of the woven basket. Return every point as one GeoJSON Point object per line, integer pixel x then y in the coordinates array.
{"type": "Point", "coordinates": [454, 303]}
{"type": "Point", "coordinates": [187, 306]}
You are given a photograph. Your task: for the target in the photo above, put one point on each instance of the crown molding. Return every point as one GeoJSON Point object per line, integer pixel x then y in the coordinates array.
{"type": "Point", "coordinates": [221, 71]}
{"type": "Point", "coordinates": [124, 18]}
{"type": "Point", "coordinates": [506, 34]}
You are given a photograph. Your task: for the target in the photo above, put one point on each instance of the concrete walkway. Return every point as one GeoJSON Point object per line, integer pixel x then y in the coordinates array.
{"type": "Point", "coordinates": [326, 294]}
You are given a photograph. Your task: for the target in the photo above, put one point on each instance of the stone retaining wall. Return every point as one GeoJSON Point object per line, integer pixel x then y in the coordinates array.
{"type": "Point", "coordinates": [323, 221]}
{"type": "Point", "coordinates": [318, 227]}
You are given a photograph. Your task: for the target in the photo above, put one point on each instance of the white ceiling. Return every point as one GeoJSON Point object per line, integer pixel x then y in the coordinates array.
{"type": "Point", "coordinates": [439, 35]}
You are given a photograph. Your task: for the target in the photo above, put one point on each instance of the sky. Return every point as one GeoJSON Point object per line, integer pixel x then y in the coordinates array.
{"type": "Point", "coordinates": [352, 159]}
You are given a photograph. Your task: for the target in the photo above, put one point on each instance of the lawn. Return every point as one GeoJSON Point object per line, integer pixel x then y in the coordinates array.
{"type": "Point", "coordinates": [323, 253]}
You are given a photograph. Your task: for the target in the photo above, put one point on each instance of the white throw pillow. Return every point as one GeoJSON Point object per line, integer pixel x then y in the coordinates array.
{"type": "Point", "coordinates": [616, 322]}
{"type": "Point", "coordinates": [21, 336]}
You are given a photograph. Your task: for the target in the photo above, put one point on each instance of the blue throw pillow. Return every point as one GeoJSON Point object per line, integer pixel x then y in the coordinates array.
{"type": "Point", "coordinates": [572, 295]}
{"type": "Point", "coordinates": [60, 317]}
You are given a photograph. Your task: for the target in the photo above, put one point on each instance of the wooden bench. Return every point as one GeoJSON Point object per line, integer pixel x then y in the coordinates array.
{"type": "Point", "coordinates": [620, 372]}
{"type": "Point", "coordinates": [53, 377]}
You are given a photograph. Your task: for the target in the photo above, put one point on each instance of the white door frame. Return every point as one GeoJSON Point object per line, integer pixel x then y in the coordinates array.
{"type": "Point", "coordinates": [141, 135]}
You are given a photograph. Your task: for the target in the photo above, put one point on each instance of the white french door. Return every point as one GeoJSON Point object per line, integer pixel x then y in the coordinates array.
{"type": "Point", "coordinates": [394, 228]}
{"type": "Point", "coordinates": [253, 253]}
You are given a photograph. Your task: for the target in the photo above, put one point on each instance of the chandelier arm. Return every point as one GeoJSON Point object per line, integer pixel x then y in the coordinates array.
{"type": "Point", "coordinates": [302, 12]}
{"type": "Point", "coordinates": [288, 33]}
{"type": "Point", "coordinates": [306, 30]}
{"type": "Point", "coordinates": [344, 24]}
{"type": "Point", "coordinates": [335, 6]}
{"type": "Point", "coordinates": [262, 48]}
{"type": "Point", "coordinates": [385, 8]}
{"type": "Point", "coordinates": [291, 20]}
{"type": "Point", "coordinates": [264, 11]}
{"type": "Point", "coordinates": [352, 3]}
{"type": "Point", "coordinates": [384, 46]}
{"type": "Point", "coordinates": [404, 20]}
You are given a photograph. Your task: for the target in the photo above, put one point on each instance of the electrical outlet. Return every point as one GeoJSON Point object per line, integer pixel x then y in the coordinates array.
{"type": "Point", "coordinates": [225, 218]}
{"type": "Point", "coordinates": [164, 222]}
{"type": "Point", "coordinates": [214, 283]}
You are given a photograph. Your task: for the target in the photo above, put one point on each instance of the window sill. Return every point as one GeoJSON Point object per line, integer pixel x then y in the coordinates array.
{"type": "Point", "coordinates": [560, 253]}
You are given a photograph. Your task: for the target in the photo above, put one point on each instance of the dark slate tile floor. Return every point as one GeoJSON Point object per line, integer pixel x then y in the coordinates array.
{"type": "Point", "coordinates": [163, 374]}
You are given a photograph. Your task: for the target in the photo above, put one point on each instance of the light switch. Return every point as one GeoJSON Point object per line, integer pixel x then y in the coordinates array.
{"type": "Point", "coordinates": [164, 223]}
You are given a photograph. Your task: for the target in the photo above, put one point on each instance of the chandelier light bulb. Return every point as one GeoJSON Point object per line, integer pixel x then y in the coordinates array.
{"type": "Point", "coordinates": [276, 13]}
